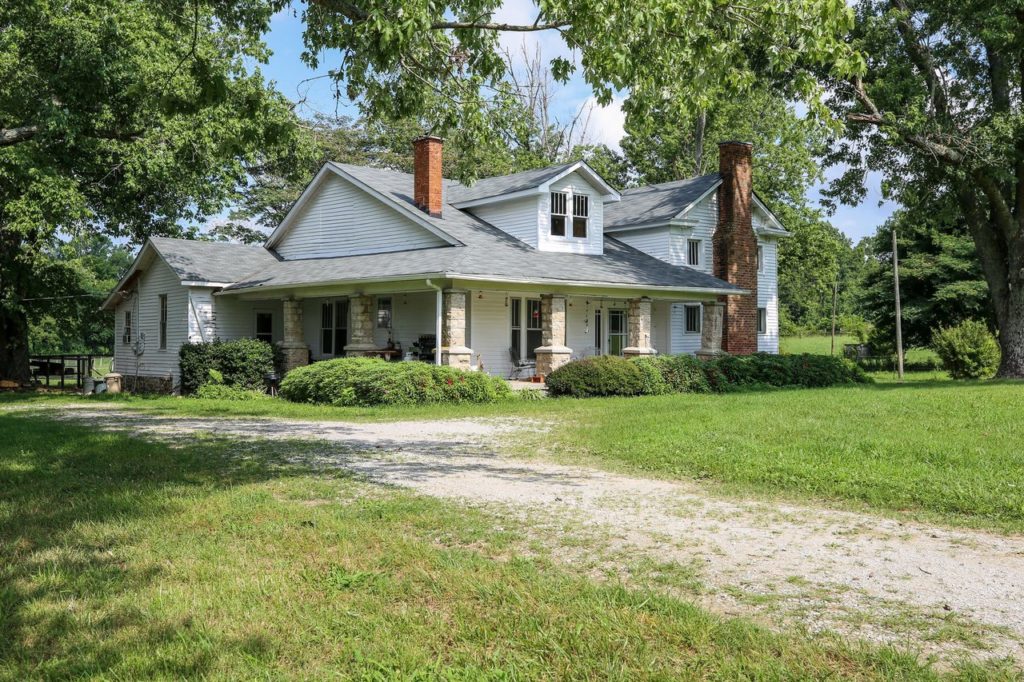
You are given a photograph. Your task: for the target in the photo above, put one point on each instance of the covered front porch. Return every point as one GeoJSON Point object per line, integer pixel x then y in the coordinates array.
{"type": "Point", "coordinates": [511, 331]}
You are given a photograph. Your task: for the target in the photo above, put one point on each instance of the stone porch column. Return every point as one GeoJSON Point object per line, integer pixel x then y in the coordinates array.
{"type": "Point", "coordinates": [553, 353]}
{"type": "Point", "coordinates": [294, 348]}
{"type": "Point", "coordinates": [453, 330]}
{"type": "Point", "coordinates": [638, 325]}
{"type": "Point", "coordinates": [711, 330]}
{"type": "Point", "coordinates": [360, 326]}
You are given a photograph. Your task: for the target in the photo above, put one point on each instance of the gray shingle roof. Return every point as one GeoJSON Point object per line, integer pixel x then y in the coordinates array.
{"type": "Point", "coordinates": [656, 203]}
{"type": "Point", "coordinates": [211, 261]}
{"type": "Point", "coordinates": [486, 251]}
{"type": "Point", "coordinates": [502, 184]}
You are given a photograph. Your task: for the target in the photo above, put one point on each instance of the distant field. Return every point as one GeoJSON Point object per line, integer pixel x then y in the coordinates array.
{"type": "Point", "coordinates": [816, 345]}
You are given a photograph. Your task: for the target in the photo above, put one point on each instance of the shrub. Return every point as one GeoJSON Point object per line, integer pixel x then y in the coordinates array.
{"type": "Point", "coordinates": [364, 381]}
{"type": "Point", "coordinates": [608, 375]}
{"type": "Point", "coordinates": [212, 391]}
{"type": "Point", "coordinates": [967, 351]}
{"type": "Point", "coordinates": [605, 375]}
{"type": "Point", "coordinates": [242, 363]}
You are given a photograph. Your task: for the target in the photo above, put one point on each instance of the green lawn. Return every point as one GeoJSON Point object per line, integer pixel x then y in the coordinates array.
{"type": "Point", "coordinates": [816, 345]}
{"type": "Point", "coordinates": [125, 559]}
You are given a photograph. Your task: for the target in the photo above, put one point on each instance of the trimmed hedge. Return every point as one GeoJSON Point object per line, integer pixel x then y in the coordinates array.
{"type": "Point", "coordinates": [365, 381]}
{"type": "Point", "coordinates": [615, 376]}
{"type": "Point", "coordinates": [242, 362]}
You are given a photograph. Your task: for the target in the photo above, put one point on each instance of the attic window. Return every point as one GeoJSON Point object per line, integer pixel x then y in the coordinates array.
{"type": "Point", "coordinates": [580, 212]}
{"type": "Point", "coordinates": [559, 213]}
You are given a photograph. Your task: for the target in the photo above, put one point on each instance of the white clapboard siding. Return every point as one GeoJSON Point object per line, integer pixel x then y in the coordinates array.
{"type": "Point", "coordinates": [705, 213]}
{"type": "Point", "coordinates": [342, 220]}
{"type": "Point", "coordinates": [594, 243]}
{"type": "Point", "coordinates": [490, 331]}
{"type": "Point", "coordinates": [655, 241]}
{"type": "Point", "coordinates": [202, 318]}
{"type": "Point", "coordinates": [681, 341]}
{"type": "Point", "coordinates": [144, 304]}
{"type": "Point", "coordinates": [768, 296]}
{"type": "Point", "coordinates": [517, 217]}
{"type": "Point", "coordinates": [236, 319]}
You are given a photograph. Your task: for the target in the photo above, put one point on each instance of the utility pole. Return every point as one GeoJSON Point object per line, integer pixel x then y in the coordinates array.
{"type": "Point", "coordinates": [835, 302]}
{"type": "Point", "coordinates": [899, 312]}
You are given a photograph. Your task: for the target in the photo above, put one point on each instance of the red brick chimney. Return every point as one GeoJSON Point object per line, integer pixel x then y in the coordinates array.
{"type": "Point", "coordinates": [735, 247]}
{"type": "Point", "coordinates": [427, 174]}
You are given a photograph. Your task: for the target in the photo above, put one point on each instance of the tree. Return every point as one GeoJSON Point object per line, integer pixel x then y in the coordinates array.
{"type": "Point", "coordinates": [667, 142]}
{"type": "Point", "coordinates": [938, 108]}
{"type": "Point", "coordinates": [124, 118]}
{"type": "Point", "coordinates": [941, 283]}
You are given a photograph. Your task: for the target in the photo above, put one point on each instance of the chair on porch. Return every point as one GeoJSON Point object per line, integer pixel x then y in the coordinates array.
{"type": "Point", "coordinates": [519, 365]}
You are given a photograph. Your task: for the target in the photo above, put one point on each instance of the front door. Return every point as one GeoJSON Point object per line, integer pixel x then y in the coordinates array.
{"type": "Point", "coordinates": [333, 328]}
{"type": "Point", "coordinates": [616, 331]}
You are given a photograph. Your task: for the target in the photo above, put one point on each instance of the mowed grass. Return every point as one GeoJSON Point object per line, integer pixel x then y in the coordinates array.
{"type": "Point", "coordinates": [822, 345]}
{"type": "Point", "coordinates": [127, 559]}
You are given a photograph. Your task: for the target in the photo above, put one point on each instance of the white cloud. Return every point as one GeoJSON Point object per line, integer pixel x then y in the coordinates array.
{"type": "Point", "coordinates": [607, 125]}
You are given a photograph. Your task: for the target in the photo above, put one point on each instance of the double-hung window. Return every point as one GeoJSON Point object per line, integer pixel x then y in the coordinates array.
{"type": "Point", "coordinates": [693, 249]}
{"type": "Point", "coordinates": [163, 321]}
{"type": "Point", "coordinates": [580, 215]}
{"type": "Point", "coordinates": [333, 327]}
{"type": "Point", "coordinates": [559, 213]}
{"type": "Point", "coordinates": [126, 335]}
{"type": "Point", "coordinates": [692, 319]}
{"type": "Point", "coordinates": [760, 258]}
{"type": "Point", "coordinates": [762, 320]}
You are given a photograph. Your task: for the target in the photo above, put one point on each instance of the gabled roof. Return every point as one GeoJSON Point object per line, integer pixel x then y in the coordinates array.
{"type": "Point", "coordinates": [505, 187]}
{"type": "Point", "coordinates": [484, 253]}
{"type": "Point", "coordinates": [654, 204]}
{"type": "Point", "coordinates": [197, 263]}
{"type": "Point", "coordinates": [662, 203]}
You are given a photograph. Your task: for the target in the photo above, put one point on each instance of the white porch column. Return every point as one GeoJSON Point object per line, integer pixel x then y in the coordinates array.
{"type": "Point", "coordinates": [294, 348]}
{"type": "Point", "coordinates": [711, 330]}
{"type": "Point", "coordinates": [360, 326]}
{"type": "Point", "coordinates": [453, 330]}
{"type": "Point", "coordinates": [638, 326]}
{"type": "Point", "coordinates": [553, 353]}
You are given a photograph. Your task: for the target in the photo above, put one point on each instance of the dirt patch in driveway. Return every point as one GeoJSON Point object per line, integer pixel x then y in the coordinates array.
{"type": "Point", "coordinates": [947, 592]}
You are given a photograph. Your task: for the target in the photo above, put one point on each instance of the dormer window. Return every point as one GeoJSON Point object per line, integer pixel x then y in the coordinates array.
{"type": "Point", "coordinates": [580, 214]}
{"type": "Point", "coordinates": [559, 204]}
{"type": "Point", "coordinates": [560, 214]}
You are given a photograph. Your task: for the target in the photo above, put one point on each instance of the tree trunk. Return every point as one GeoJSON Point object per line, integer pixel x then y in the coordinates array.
{"type": "Point", "coordinates": [1011, 335]}
{"type": "Point", "coordinates": [14, 346]}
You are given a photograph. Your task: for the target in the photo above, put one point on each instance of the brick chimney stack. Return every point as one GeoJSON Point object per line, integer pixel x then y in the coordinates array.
{"type": "Point", "coordinates": [427, 174]}
{"type": "Point", "coordinates": [735, 247]}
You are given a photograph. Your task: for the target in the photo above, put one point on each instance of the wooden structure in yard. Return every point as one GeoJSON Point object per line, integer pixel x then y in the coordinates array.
{"type": "Point", "coordinates": [62, 370]}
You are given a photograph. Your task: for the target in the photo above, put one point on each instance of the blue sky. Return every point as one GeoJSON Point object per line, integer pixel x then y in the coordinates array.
{"type": "Point", "coordinates": [316, 94]}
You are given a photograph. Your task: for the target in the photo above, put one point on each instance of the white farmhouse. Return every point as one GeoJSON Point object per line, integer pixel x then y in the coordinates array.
{"type": "Point", "coordinates": [518, 273]}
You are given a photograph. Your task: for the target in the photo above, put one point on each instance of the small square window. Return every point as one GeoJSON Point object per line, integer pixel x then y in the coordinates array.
{"type": "Point", "coordinates": [693, 319]}
{"type": "Point", "coordinates": [693, 249]}
{"type": "Point", "coordinates": [762, 320]}
{"type": "Point", "coordinates": [559, 213]}
{"type": "Point", "coordinates": [384, 312]}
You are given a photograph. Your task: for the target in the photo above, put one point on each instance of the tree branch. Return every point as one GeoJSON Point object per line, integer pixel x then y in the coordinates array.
{"type": "Point", "coordinates": [13, 136]}
{"type": "Point", "coordinates": [922, 58]}
{"type": "Point", "coordinates": [1001, 215]}
{"type": "Point", "coordinates": [358, 15]}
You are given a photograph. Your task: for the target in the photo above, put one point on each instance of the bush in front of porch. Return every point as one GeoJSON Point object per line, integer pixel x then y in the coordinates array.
{"type": "Point", "coordinates": [364, 381]}
{"type": "Point", "coordinates": [616, 376]}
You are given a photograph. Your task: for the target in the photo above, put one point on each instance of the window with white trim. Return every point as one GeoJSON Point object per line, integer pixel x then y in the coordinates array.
{"type": "Point", "coordinates": [333, 327]}
{"type": "Point", "coordinates": [760, 258]}
{"type": "Point", "coordinates": [383, 312]}
{"type": "Point", "coordinates": [580, 215]}
{"type": "Point", "coordinates": [126, 335]}
{"type": "Point", "coordinates": [762, 320]}
{"type": "Point", "coordinates": [559, 214]}
{"type": "Point", "coordinates": [692, 319]}
{"type": "Point", "coordinates": [693, 250]}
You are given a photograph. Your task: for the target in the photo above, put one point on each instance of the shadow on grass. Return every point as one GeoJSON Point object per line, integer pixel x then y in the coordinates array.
{"type": "Point", "coordinates": [70, 497]}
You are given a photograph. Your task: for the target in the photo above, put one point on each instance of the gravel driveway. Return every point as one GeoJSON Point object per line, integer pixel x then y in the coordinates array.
{"type": "Point", "coordinates": [942, 591]}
